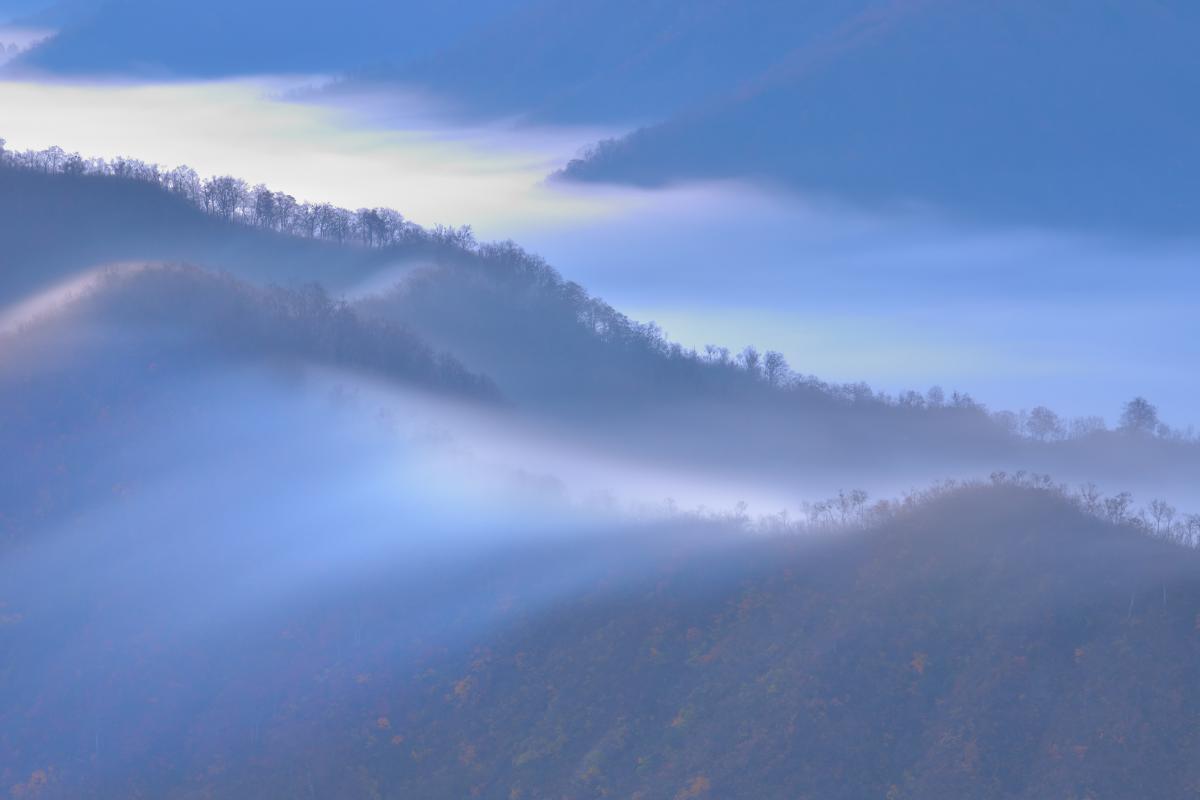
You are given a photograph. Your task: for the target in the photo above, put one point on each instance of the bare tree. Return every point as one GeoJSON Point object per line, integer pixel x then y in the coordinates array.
{"type": "Point", "coordinates": [1116, 508]}
{"type": "Point", "coordinates": [1090, 498]}
{"type": "Point", "coordinates": [263, 208]}
{"type": "Point", "coordinates": [1191, 527]}
{"type": "Point", "coordinates": [1043, 424]}
{"type": "Point", "coordinates": [750, 360]}
{"type": "Point", "coordinates": [1139, 416]}
{"type": "Point", "coordinates": [224, 196]}
{"type": "Point", "coordinates": [1163, 516]}
{"type": "Point", "coordinates": [775, 367]}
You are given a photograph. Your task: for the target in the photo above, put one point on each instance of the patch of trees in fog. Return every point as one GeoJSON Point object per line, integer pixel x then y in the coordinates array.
{"type": "Point", "coordinates": [512, 311]}
{"type": "Point", "coordinates": [1139, 417]}
{"type": "Point", "coordinates": [853, 509]}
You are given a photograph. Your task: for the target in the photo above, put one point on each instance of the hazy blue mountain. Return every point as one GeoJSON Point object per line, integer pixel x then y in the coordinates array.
{"type": "Point", "coordinates": [986, 643]}
{"type": "Point", "coordinates": [55, 226]}
{"type": "Point", "coordinates": [1072, 113]}
{"type": "Point", "coordinates": [235, 37]}
{"type": "Point", "coordinates": [561, 355]}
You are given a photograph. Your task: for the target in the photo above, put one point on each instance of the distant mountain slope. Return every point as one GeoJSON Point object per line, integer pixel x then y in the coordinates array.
{"type": "Point", "coordinates": [562, 354]}
{"type": "Point", "coordinates": [54, 225]}
{"type": "Point", "coordinates": [235, 37]}
{"type": "Point", "coordinates": [565, 357]}
{"type": "Point", "coordinates": [1072, 113]}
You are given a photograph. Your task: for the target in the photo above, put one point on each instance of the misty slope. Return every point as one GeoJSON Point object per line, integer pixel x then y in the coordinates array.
{"type": "Point", "coordinates": [53, 226]}
{"type": "Point", "coordinates": [234, 37]}
{"type": "Point", "coordinates": [987, 643]}
{"type": "Point", "coordinates": [561, 354]}
{"type": "Point", "coordinates": [992, 644]}
{"type": "Point", "coordinates": [202, 533]}
{"type": "Point", "coordinates": [133, 351]}
{"type": "Point", "coordinates": [1072, 113]}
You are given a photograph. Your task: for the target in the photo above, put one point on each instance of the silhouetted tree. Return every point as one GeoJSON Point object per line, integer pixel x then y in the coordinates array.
{"type": "Point", "coordinates": [1116, 508]}
{"type": "Point", "coordinates": [1139, 416]}
{"type": "Point", "coordinates": [1163, 515]}
{"type": "Point", "coordinates": [750, 360]}
{"type": "Point", "coordinates": [224, 196]}
{"type": "Point", "coordinates": [1043, 424]}
{"type": "Point", "coordinates": [775, 367]}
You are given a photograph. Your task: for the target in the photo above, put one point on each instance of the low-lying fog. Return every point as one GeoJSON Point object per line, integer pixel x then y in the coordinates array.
{"type": "Point", "coordinates": [375, 437]}
{"type": "Point", "coordinates": [173, 579]}
{"type": "Point", "coordinates": [900, 298]}
{"type": "Point", "coordinates": [225, 544]}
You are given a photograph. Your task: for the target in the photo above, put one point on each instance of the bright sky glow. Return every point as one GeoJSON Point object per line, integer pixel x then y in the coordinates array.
{"type": "Point", "coordinates": [480, 177]}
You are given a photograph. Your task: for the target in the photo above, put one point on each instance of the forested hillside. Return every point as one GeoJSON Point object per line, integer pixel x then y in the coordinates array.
{"type": "Point", "coordinates": [55, 225]}
{"type": "Point", "coordinates": [990, 642]}
{"type": "Point", "coordinates": [558, 353]}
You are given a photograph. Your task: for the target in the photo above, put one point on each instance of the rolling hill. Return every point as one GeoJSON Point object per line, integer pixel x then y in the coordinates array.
{"type": "Point", "coordinates": [561, 356]}
{"type": "Point", "coordinates": [985, 642]}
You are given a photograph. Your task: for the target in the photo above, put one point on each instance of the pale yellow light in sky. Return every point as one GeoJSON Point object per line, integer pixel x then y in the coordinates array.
{"type": "Point", "coordinates": [316, 153]}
